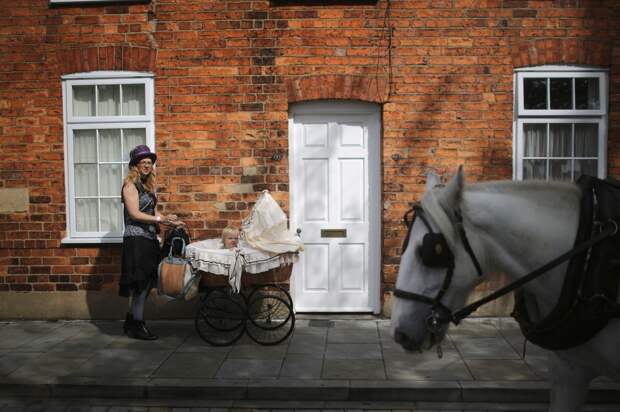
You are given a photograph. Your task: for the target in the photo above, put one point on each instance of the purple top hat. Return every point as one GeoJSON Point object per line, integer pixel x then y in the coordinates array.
{"type": "Point", "coordinates": [140, 152]}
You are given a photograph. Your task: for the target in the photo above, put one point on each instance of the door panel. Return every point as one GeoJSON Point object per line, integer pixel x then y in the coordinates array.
{"type": "Point", "coordinates": [336, 207]}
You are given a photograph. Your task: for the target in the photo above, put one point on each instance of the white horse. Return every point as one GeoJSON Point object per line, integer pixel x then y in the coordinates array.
{"type": "Point", "coordinates": [512, 228]}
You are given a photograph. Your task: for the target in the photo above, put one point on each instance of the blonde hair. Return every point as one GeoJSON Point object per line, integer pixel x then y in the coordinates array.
{"type": "Point", "coordinates": [229, 231]}
{"type": "Point", "coordinates": [133, 176]}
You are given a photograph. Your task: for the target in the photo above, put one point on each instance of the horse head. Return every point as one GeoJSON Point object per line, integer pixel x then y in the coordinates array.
{"type": "Point", "coordinates": [438, 268]}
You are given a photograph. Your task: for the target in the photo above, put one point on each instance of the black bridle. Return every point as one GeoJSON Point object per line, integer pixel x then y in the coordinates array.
{"type": "Point", "coordinates": [435, 252]}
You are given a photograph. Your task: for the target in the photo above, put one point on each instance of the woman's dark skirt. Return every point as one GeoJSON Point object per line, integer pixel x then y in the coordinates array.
{"type": "Point", "coordinates": [139, 265]}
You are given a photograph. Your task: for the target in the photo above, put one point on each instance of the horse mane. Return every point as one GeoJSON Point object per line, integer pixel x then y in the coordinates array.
{"type": "Point", "coordinates": [520, 186]}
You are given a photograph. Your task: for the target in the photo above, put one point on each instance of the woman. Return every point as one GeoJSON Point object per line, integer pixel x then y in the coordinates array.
{"type": "Point", "coordinates": [140, 244]}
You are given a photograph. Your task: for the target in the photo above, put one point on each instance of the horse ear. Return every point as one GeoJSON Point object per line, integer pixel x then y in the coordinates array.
{"type": "Point", "coordinates": [450, 196]}
{"type": "Point", "coordinates": [432, 180]}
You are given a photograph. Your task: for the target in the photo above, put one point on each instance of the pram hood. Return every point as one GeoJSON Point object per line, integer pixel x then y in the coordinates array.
{"type": "Point", "coordinates": [266, 227]}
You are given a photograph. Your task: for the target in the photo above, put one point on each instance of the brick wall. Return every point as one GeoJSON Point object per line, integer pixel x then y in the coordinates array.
{"type": "Point", "coordinates": [225, 73]}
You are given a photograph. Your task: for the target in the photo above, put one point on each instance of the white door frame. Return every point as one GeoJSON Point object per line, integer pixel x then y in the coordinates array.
{"type": "Point", "coordinates": [331, 107]}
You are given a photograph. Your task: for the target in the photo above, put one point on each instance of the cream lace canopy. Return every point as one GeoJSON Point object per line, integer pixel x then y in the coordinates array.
{"type": "Point", "coordinates": [265, 244]}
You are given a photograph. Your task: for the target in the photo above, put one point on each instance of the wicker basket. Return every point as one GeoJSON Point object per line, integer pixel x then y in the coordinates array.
{"type": "Point", "coordinates": [281, 274]}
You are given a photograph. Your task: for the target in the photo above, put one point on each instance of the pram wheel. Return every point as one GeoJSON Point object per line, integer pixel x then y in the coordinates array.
{"type": "Point", "coordinates": [220, 319]}
{"type": "Point", "coordinates": [270, 318]}
{"type": "Point", "coordinates": [271, 290]}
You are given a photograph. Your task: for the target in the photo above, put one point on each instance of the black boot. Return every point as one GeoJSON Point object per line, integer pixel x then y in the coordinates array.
{"type": "Point", "coordinates": [145, 332]}
{"type": "Point", "coordinates": [137, 330]}
{"type": "Point", "coordinates": [127, 323]}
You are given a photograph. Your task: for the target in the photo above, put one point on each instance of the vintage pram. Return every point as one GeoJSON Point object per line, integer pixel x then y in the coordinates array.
{"type": "Point", "coordinates": [246, 289]}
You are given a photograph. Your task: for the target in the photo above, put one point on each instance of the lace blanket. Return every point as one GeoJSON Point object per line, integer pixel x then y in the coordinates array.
{"type": "Point", "coordinates": [209, 256]}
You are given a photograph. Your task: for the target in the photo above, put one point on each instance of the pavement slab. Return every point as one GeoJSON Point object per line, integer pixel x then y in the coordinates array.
{"type": "Point", "coordinates": [327, 360]}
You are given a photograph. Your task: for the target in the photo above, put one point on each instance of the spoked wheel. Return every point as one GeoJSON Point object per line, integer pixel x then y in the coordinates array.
{"type": "Point", "coordinates": [270, 319]}
{"type": "Point", "coordinates": [271, 290]}
{"type": "Point", "coordinates": [220, 319]}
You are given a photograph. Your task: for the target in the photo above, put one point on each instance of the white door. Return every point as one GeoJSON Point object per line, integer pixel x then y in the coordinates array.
{"type": "Point", "coordinates": [335, 194]}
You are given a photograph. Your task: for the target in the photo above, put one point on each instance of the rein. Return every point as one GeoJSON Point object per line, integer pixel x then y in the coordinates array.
{"type": "Point", "coordinates": [440, 314]}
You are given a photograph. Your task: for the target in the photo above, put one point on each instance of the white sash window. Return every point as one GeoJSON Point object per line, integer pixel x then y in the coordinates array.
{"type": "Point", "coordinates": [106, 115]}
{"type": "Point", "coordinates": [561, 123]}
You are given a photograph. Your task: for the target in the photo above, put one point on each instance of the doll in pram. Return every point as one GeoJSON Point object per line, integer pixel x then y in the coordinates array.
{"type": "Point", "coordinates": [245, 288]}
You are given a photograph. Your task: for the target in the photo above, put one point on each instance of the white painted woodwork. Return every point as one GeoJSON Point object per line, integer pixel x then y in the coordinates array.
{"type": "Point", "coordinates": [335, 184]}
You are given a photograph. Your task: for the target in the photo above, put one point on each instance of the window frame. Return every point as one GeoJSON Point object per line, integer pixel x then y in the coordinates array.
{"type": "Point", "coordinates": [72, 123]}
{"type": "Point", "coordinates": [521, 115]}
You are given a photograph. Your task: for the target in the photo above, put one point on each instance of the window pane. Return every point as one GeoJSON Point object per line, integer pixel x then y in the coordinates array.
{"type": "Point", "coordinates": [111, 216]}
{"type": "Point", "coordinates": [133, 138]}
{"type": "Point", "coordinates": [587, 94]}
{"type": "Point", "coordinates": [535, 93]}
{"type": "Point", "coordinates": [83, 101]}
{"type": "Point", "coordinates": [560, 140]}
{"type": "Point", "coordinates": [586, 140]}
{"type": "Point", "coordinates": [85, 176]}
{"type": "Point", "coordinates": [561, 94]}
{"type": "Point", "coordinates": [585, 167]}
{"type": "Point", "coordinates": [110, 145]}
{"type": "Point", "coordinates": [534, 169]}
{"type": "Point", "coordinates": [85, 146]}
{"type": "Point", "coordinates": [109, 100]}
{"type": "Point", "coordinates": [110, 180]}
{"type": "Point", "coordinates": [134, 100]}
{"type": "Point", "coordinates": [86, 215]}
{"type": "Point", "coordinates": [535, 139]}
{"type": "Point", "coordinates": [560, 169]}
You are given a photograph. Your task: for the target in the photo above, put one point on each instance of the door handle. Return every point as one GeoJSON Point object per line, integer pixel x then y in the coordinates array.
{"type": "Point", "coordinates": [299, 231]}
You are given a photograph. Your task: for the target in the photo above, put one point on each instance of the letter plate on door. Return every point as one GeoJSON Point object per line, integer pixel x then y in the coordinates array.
{"type": "Point", "coordinates": [333, 232]}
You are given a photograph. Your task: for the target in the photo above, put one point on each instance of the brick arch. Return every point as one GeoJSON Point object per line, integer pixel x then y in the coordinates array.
{"type": "Point", "coordinates": [86, 59]}
{"type": "Point", "coordinates": [334, 86]}
{"type": "Point", "coordinates": [562, 51]}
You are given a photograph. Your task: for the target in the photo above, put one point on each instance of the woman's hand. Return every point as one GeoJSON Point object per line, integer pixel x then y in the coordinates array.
{"type": "Point", "coordinates": [172, 220]}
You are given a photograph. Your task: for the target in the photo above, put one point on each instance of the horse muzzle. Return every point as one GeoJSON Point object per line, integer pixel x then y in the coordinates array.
{"type": "Point", "coordinates": [404, 340]}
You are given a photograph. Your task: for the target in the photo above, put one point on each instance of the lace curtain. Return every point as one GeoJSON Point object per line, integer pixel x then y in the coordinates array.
{"type": "Point", "coordinates": [98, 175]}
{"type": "Point", "coordinates": [568, 150]}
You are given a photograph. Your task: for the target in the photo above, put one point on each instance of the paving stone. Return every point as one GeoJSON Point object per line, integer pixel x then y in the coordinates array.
{"type": "Point", "coordinates": [501, 370]}
{"type": "Point", "coordinates": [257, 351]}
{"type": "Point", "coordinates": [122, 363]}
{"type": "Point", "coordinates": [473, 327]}
{"type": "Point", "coordinates": [484, 348]}
{"type": "Point", "coordinates": [46, 367]}
{"type": "Point", "coordinates": [249, 368]}
{"type": "Point", "coordinates": [84, 341]}
{"type": "Point", "coordinates": [307, 344]}
{"type": "Point", "coordinates": [301, 367]}
{"type": "Point", "coordinates": [190, 365]}
{"type": "Point", "coordinates": [427, 367]}
{"type": "Point", "coordinates": [361, 325]}
{"type": "Point", "coordinates": [12, 361]}
{"type": "Point", "coordinates": [196, 344]}
{"type": "Point", "coordinates": [349, 335]}
{"type": "Point", "coordinates": [353, 351]}
{"type": "Point", "coordinates": [20, 336]}
{"type": "Point", "coordinates": [539, 365]}
{"type": "Point", "coordinates": [353, 369]}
